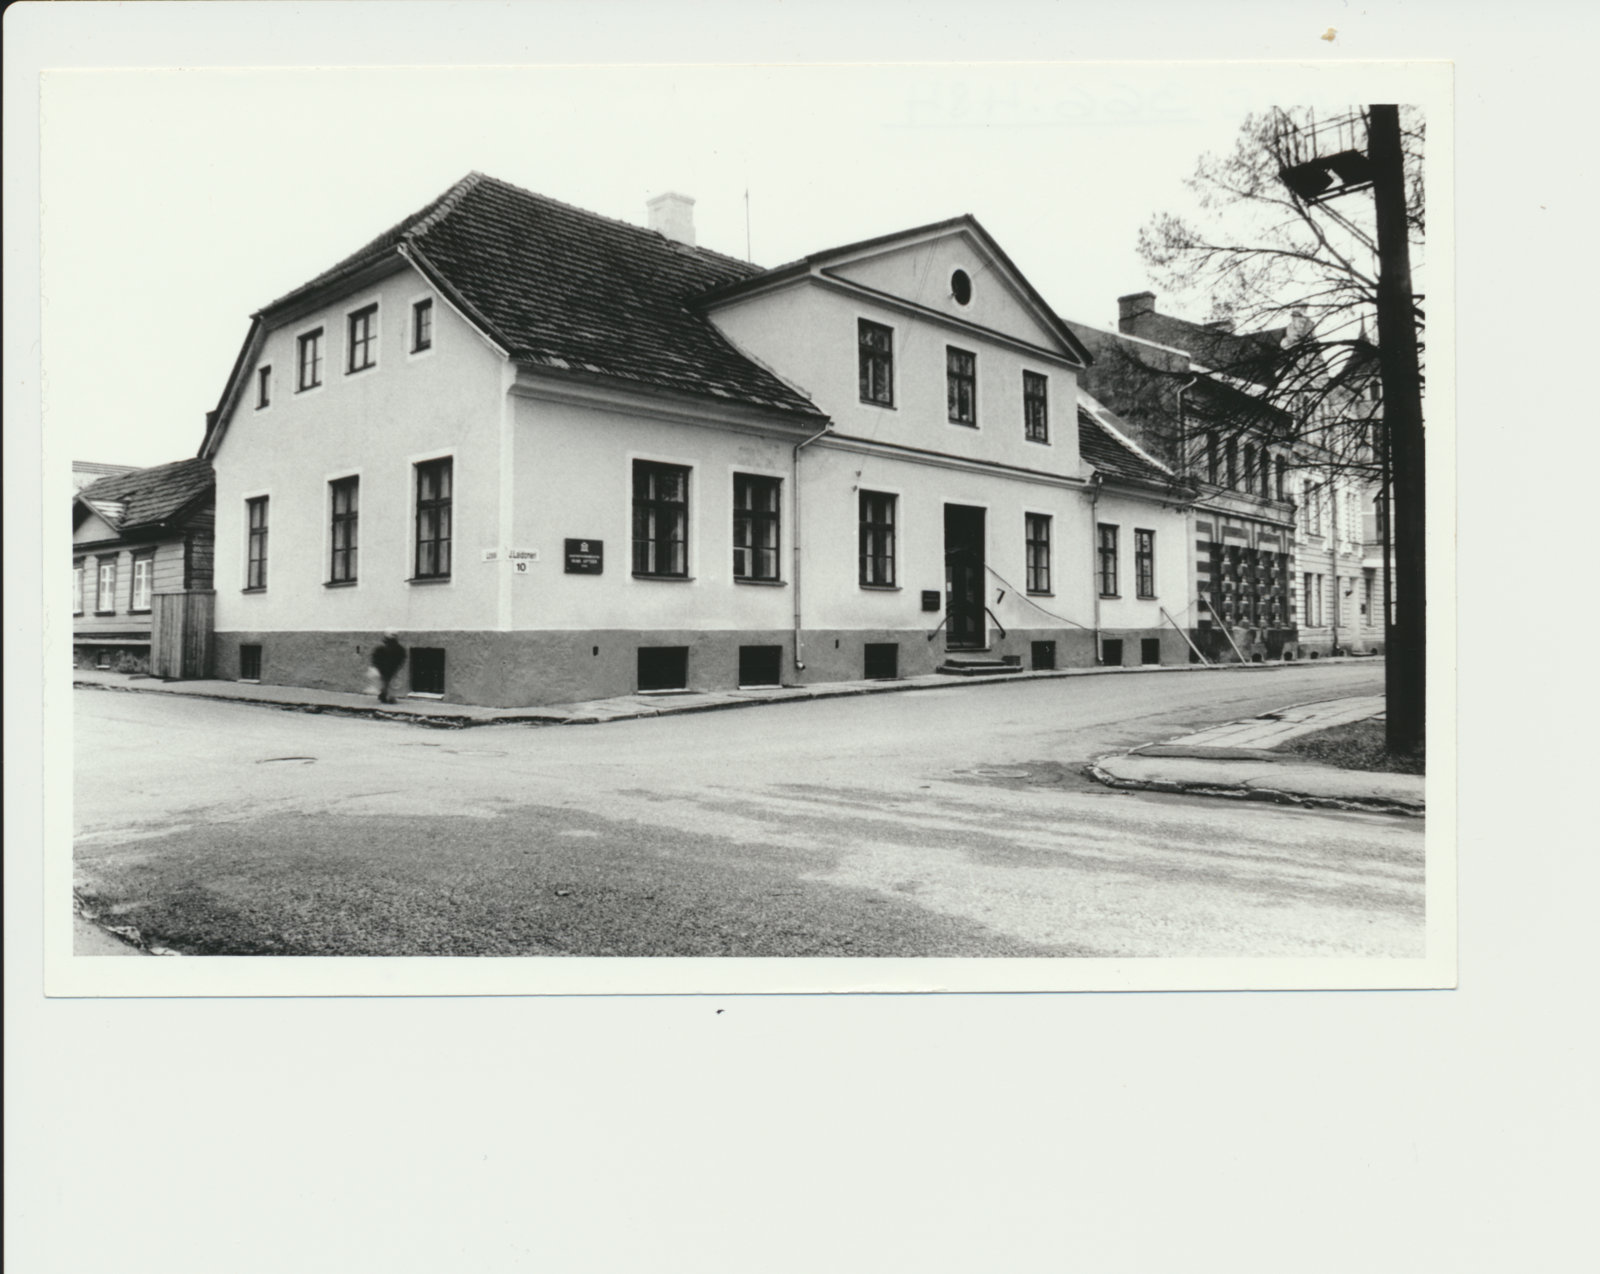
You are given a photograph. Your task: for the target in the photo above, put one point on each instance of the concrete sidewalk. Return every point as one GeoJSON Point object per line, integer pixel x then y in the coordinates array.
{"type": "Point", "coordinates": [1235, 760]}
{"type": "Point", "coordinates": [432, 712]}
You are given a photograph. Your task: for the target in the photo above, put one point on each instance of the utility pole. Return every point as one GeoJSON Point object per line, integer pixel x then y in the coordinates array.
{"type": "Point", "coordinates": [1315, 173]}
{"type": "Point", "coordinates": [1406, 665]}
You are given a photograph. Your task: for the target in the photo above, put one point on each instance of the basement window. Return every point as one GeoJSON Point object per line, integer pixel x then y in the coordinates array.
{"type": "Point", "coordinates": [427, 670]}
{"type": "Point", "coordinates": [663, 667]}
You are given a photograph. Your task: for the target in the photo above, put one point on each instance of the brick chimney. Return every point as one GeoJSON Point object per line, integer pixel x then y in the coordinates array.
{"type": "Point", "coordinates": [1133, 307]}
{"type": "Point", "coordinates": [672, 214]}
{"type": "Point", "coordinates": [1299, 327]}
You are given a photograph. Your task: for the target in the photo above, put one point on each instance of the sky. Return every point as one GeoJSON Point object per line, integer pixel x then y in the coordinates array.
{"type": "Point", "coordinates": [175, 203]}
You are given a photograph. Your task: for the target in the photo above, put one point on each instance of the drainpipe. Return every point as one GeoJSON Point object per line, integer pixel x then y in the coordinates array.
{"type": "Point", "coordinates": [1095, 482]}
{"type": "Point", "coordinates": [1333, 549]}
{"type": "Point", "coordinates": [799, 650]}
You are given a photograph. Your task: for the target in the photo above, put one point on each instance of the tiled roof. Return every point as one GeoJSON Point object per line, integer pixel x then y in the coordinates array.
{"type": "Point", "coordinates": [570, 290]}
{"type": "Point", "coordinates": [1252, 356]}
{"type": "Point", "coordinates": [1101, 445]}
{"type": "Point", "coordinates": [147, 498]}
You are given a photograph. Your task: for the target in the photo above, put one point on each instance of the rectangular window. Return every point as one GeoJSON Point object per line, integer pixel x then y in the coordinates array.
{"type": "Point", "coordinates": [363, 339]}
{"type": "Point", "coordinates": [755, 527]}
{"type": "Point", "coordinates": [1035, 407]}
{"type": "Point", "coordinates": [309, 361]}
{"type": "Point", "coordinates": [1038, 552]}
{"type": "Point", "coordinates": [1144, 562]}
{"type": "Point", "coordinates": [1213, 458]}
{"type": "Point", "coordinates": [877, 539]}
{"type": "Point", "coordinates": [663, 667]}
{"type": "Point", "coordinates": [880, 660]}
{"type": "Point", "coordinates": [427, 670]}
{"type": "Point", "coordinates": [77, 588]}
{"type": "Point", "coordinates": [250, 661]}
{"type": "Point", "coordinates": [434, 495]}
{"type": "Point", "coordinates": [660, 520]}
{"type": "Point", "coordinates": [1232, 457]}
{"type": "Point", "coordinates": [961, 385]}
{"type": "Point", "coordinates": [105, 602]}
{"type": "Point", "coordinates": [1108, 560]}
{"type": "Point", "coordinates": [422, 325]}
{"type": "Point", "coordinates": [760, 665]}
{"type": "Point", "coordinates": [144, 569]}
{"type": "Point", "coordinates": [255, 575]}
{"type": "Point", "coordinates": [263, 387]}
{"type": "Point", "coordinates": [344, 500]}
{"type": "Point", "coordinates": [876, 355]}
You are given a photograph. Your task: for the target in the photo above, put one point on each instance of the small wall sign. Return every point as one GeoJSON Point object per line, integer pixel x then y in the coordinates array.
{"type": "Point", "coordinates": [930, 599]}
{"type": "Point", "coordinates": [585, 557]}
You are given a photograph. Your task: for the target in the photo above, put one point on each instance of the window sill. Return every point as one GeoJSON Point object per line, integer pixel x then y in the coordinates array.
{"type": "Point", "coordinates": [429, 579]}
{"type": "Point", "coordinates": [424, 694]}
{"type": "Point", "coordinates": [1111, 597]}
{"type": "Point", "coordinates": [1146, 597]}
{"type": "Point", "coordinates": [1038, 442]}
{"type": "Point", "coordinates": [339, 583]}
{"type": "Point", "coordinates": [964, 424]}
{"type": "Point", "coordinates": [356, 371]}
{"type": "Point", "coordinates": [762, 583]}
{"type": "Point", "coordinates": [1034, 592]}
{"type": "Point", "coordinates": [138, 610]}
{"type": "Point", "coordinates": [882, 588]}
{"type": "Point", "coordinates": [307, 389]}
{"type": "Point", "coordinates": [417, 353]}
{"type": "Point", "coordinates": [262, 589]}
{"type": "Point", "coordinates": [873, 402]}
{"type": "Point", "coordinates": [664, 579]}
{"type": "Point", "coordinates": [103, 614]}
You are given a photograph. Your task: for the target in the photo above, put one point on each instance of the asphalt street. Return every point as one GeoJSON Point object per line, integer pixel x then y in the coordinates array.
{"type": "Point", "coordinates": [943, 822]}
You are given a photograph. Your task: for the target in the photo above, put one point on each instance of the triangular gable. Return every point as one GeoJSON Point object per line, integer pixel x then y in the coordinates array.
{"type": "Point", "coordinates": [922, 270]}
{"type": "Point", "coordinates": [90, 523]}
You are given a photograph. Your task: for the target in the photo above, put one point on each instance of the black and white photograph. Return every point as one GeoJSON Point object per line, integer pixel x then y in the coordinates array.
{"type": "Point", "coordinates": [528, 513]}
{"type": "Point", "coordinates": [783, 637]}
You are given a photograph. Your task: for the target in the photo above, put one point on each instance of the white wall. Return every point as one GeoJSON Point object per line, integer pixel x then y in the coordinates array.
{"type": "Point", "coordinates": [807, 333]}
{"type": "Point", "coordinates": [574, 480]}
{"type": "Point", "coordinates": [375, 423]}
{"type": "Point", "coordinates": [1174, 554]}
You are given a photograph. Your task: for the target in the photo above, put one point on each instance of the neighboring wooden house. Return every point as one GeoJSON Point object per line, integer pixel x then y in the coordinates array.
{"type": "Point", "coordinates": [85, 472]}
{"type": "Point", "coordinates": [567, 457]}
{"type": "Point", "coordinates": [141, 570]}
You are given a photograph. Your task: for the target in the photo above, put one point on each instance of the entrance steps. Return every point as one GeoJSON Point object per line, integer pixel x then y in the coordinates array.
{"type": "Point", "coordinates": [958, 667]}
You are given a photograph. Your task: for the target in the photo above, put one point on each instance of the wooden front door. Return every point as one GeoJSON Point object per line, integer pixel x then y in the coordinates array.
{"type": "Point", "coordinates": [963, 578]}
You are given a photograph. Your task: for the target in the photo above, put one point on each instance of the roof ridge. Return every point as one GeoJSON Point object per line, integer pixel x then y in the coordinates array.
{"type": "Point", "coordinates": [431, 214]}
{"type": "Point", "coordinates": [615, 221]}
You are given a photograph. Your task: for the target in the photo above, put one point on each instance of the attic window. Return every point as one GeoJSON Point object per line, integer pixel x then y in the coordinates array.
{"type": "Point", "coordinates": [263, 387]}
{"type": "Point", "coordinates": [961, 287]}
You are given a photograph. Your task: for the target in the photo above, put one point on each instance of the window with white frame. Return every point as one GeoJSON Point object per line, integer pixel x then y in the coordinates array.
{"type": "Point", "coordinates": [422, 325]}
{"type": "Point", "coordinates": [660, 520]}
{"type": "Point", "coordinates": [144, 571]}
{"type": "Point", "coordinates": [343, 537]}
{"type": "Point", "coordinates": [961, 385]}
{"type": "Point", "coordinates": [435, 505]}
{"type": "Point", "coordinates": [877, 529]}
{"type": "Point", "coordinates": [1107, 553]}
{"type": "Point", "coordinates": [361, 344]}
{"type": "Point", "coordinates": [308, 360]}
{"type": "Point", "coordinates": [755, 527]}
{"type": "Point", "coordinates": [875, 355]}
{"type": "Point", "coordinates": [1144, 562]}
{"type": "Point", "coordinates": [1037, 535]}
{"type": "Point", "coordinates": [105, 602]}
{"type": "Point", "coordinates": [1035, 407]}
{"type": "Point", "coordinates": [263, 387]}
{"type": "Point", "coordinates": [77, 588]}
{"type": "Point", "coordinates": [255, 573]}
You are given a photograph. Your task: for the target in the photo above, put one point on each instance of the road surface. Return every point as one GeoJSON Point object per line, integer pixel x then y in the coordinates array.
{"type": "Point", "coordinates": [943, 822]}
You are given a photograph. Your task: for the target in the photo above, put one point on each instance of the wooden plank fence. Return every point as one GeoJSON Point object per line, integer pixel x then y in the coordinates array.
{"type": "Point", "coordinates": [180, 634]}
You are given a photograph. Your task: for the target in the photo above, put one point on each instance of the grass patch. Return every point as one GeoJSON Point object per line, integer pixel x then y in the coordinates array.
{"type": "Point", "coordinates": [1357, 746]}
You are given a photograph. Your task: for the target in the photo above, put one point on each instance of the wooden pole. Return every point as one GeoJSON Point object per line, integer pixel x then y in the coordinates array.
{"type": "Point", "coordinates": [1406, 665]}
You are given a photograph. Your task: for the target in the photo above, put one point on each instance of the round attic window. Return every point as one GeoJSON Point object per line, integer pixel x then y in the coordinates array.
{"type": "Point", "coordinates": [961, 287]}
